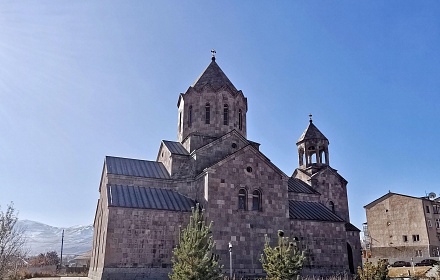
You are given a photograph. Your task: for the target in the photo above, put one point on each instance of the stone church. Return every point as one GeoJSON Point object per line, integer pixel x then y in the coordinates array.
{"type": "Point", "coordinates": [143, 203]}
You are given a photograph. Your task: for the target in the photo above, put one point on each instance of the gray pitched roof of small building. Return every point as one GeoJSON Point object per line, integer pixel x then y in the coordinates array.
{"type": "Point", "coordinates": [214, 77]}
{"type": "Point", "coordinates": [308, 210]}
{"type": "Point", "coordinates": [136, 167]}
{"type": "Point", "coordinates": [175, 147]}
{"type": "Point", "coordinates": [311, 132]}
{"type": "Point", "coordinates": [351, 227]}
{"type": "Point", "coordinates": [298, 186]}
{"type": "Point", "coordinates": [148, 198]}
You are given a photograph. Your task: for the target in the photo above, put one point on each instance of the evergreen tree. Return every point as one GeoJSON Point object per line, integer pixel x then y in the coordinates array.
{"type": "Point", "coordinates": [193, 258]}
{"type": "Point", "coordinates": [374, 272]}
{"type": "Point", "coordinates": [283, 261]}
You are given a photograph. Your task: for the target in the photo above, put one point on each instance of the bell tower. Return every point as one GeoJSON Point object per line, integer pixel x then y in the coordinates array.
{"type": "Point", "coordinates": [312, 147]}
{"type": "Point", "coordinates": [210, 108]}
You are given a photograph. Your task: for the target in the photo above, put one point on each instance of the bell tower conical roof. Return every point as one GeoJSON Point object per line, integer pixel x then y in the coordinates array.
{"type": "Point", "coordinates": [213, 76]}
{"type": "Point", "coordinates": [311, 132]}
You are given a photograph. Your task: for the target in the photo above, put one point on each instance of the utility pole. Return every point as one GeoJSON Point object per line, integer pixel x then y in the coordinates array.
{"type": "Point", "coordinates": [62, 244]}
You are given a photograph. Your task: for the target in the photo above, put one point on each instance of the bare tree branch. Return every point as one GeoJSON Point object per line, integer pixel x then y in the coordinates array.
{"type": "Point", "coordinates": [12, 241]}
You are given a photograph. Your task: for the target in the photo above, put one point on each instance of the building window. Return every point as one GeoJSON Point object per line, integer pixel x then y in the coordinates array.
{"type": "Point", "coordinates": [190, 116]}
{"type": "Point", "coordinates": [405, 238]}
{"type": "Point", "coordinates": [242, 199]}
{"type": "Point", "coordinates": [256, 200]}
{"type": "Point", "coordinates": [437, 223]}
{"type": "Point", "coordinates": [435, 208]}
{"type": "Point", "coordinates": [416, 237]}
{"type": "Point", "coordinates": [240, 120]}
{"type": "Point", "coordinates": [419, 253]}
{"type": "Point", "coordinates": [225, 114]}
{"type": "Point", "coordinates": [429, 223]}
{"type": "Point", "coordinates": [427, 209]}
{"type": "Point", "coordinates": [331, 206]}
{"type": "Point", "coordinates": [207, 113]}
{"type": "Point", "coordinates": [180, 121]}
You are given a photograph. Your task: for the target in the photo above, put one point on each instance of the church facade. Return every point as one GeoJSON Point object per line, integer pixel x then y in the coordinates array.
{"type": "Point", "coordinates": [143, 203]}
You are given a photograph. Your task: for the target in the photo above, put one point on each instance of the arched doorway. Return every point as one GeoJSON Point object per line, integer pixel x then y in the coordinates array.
{"type": "Point", "coordinates": [350, 258]}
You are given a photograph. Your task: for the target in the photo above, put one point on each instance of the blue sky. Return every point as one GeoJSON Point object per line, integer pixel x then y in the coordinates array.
{"type": "Point", "coordinates": [80, 80]}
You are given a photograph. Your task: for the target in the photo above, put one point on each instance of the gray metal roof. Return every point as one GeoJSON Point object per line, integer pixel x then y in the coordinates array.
{"type": "Point", "coordinates": [136, 167]}
{"type": "Point", "coordinates": [298, 186]}
{"type": "Point", "coordinates": [307, 210]}
{"type": "Point", "coordinates": [148, 198]}
{"type": "Point", "coordinates": [175, 147]}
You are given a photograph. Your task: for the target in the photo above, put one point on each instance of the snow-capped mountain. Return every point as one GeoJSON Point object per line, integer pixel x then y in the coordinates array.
{"type": "Point", "coordinates": [42, 238]}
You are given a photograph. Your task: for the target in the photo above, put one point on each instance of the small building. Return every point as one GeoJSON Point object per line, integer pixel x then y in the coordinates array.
{"type": "Point", "coordinates": [82, 260]}
{"type": "Point", "coordinates": [403, 227]}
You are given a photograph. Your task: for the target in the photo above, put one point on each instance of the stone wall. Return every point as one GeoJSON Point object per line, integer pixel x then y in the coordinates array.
{"type": "Point", "coordinates": [133, 273]}
{"type": "Point", "coordinates": [100, 232]}
{"type": "Point", "coordinates": [332, 188]}
{"type": "Point", "coordinates": [217, 150]}
{"type": "Point", "coordinates": [142, 238]}
{"type": "Point", "coordinates": [196, 140]}
{"type": "Point", "coordinates": [216, 100]}
{"type": "Point", "coordinates": [325, 246]}
{"type": "Point", "coordinates": [245, 228]}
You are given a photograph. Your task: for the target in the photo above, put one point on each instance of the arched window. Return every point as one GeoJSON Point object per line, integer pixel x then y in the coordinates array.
{"type": "Point", "coordinates": [256, 200]}
{"type": "Point", "coordinates": [242, 199]}
{"type": "Point", "coordinates": [207, 113]}
{"type": "Point", "coordinates": [331, 205]}
{"type": "Point", "coordinates": [190, 116]}
{"type": "Point", "coordinates": [225, 114]}
{"type": "Point", "coordinates": [240, 120]}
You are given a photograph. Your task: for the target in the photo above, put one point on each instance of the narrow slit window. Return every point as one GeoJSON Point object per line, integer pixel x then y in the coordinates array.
{"type": "Point", "coordinates": [225, 114]}
{"type": "Point", "coordinates": [207, 113]}
{"type": "Point", "coordinates": [240, 120]}
{"type": "Point", "coordinates": [180, 121]}
{"type": "Point", "coordinates": [190, 116]}
{"type": "Point", "coordinates": [242, 199]}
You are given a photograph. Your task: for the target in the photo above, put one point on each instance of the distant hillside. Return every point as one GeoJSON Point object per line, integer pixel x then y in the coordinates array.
{"type": "Point", "coordinates": [42, 238]}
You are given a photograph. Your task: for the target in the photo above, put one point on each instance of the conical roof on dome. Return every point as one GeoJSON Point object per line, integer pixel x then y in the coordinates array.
{"type": "Point", "coordinates": [214, 77]}
{"type": "Point", "coordinates": [311, 132]}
